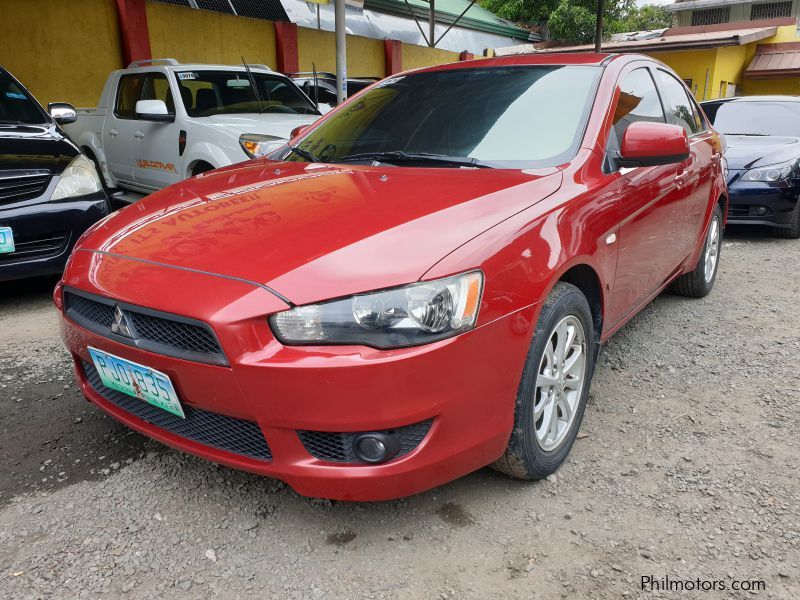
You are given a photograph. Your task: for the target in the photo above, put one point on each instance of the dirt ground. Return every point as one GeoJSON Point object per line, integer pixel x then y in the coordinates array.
{"type": "Point", "coordinates": [686, 468]}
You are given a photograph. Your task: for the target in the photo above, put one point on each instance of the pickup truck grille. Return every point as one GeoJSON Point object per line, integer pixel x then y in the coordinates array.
{"type": "Point", "coordinates": [20, 185]}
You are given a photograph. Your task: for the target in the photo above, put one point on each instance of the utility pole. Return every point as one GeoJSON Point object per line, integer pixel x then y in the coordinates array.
{"type": "Point", "coordinates": [598, 30]}
{"type": "Point", "coordinates": [341, 52]}
{"type": "Point", "coordinates": [432, 30]}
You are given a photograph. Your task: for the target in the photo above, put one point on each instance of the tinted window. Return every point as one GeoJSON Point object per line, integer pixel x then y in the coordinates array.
{"type": "Point", "coordinates": [758, 118]}
{"type": "Point", "coordinates": [680, 108]}
{"type": "Point", "coordinates": [207, 93]}
{"type": "Point", "coordinates": [638, 101]}
{"type": "Point", "coordinates": [130, 90]}
{"type": "Point", "coordinates": [514, 116]}
{"type": "Point", "coordinates": [15, 105]}
{"type": "Point", "coordinates": [157, 88]}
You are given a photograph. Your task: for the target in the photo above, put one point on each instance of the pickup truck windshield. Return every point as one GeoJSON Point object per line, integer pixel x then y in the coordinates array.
{"type": "Point", "coordinates": [511, 117]}
{"type": "Point", "coordinates": [15, 105]}
{"type": "Point", "coordinates": [207, 93]}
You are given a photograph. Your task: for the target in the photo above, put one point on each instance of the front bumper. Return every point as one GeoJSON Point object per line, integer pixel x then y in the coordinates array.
{"type": "Point", "coordinates": [762, 203]}
{"type": "Point", "coordinates": [459, 391]}
{"type": "Point", "coordinates": [45, 232]}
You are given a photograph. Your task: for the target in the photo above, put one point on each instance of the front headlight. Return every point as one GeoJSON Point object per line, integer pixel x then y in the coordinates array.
{"type": "Point", "coordinates": [78, 179]}
{"type": "Point", "coordinates": [777, 172]}
{"type": "Point", "coordinates": [256, 145]}
{"type": "Point", "coordinates": [406, 316]}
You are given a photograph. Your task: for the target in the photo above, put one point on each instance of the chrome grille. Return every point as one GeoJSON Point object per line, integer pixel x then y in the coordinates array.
{"type": "Point", "coordinates": [19, 185]}
{"type": "Point", "coordinates": [35, 248]}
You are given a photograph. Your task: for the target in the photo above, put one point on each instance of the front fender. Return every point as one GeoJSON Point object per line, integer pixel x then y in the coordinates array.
{"type": "Point", "coordinates": [209, 153]}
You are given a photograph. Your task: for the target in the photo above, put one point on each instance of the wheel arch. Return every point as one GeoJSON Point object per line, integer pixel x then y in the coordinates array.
{"type": "Point", "coordinates": [585, 278]}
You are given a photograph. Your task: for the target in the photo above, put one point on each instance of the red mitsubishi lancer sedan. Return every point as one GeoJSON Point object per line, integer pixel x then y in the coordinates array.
{"type": "Point", "coordinates": [417, 288]}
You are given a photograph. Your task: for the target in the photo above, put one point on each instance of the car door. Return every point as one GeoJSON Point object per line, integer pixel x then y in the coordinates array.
{"type": "Point", "coordinates": [155, 143]}
{"type": "Point", "coordinates": [119, 128]}
{"type": "Point", "coordinates": [651, 203]}
{"type": "Point", "coordinates": [700, 168]}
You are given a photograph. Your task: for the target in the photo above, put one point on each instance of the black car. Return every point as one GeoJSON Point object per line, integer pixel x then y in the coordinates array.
{"type": "Point", "coordinates": [762, 135]}
{"type": "Point", "coordinates": [50, 193]}
{"type": "Point", "coordinates": [321, 86]}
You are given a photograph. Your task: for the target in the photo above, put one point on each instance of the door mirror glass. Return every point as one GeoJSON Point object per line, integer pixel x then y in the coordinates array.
{"type": "Point", "coordinates": [649, 144]}
{"type": "Point", "coordinates": [62, 113]}
{"type": "Point", "coordinates": [154, 110]}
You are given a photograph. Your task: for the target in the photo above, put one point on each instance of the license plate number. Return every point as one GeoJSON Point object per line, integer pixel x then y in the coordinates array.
{"type": "Point", "coordinates": [6, 240]}
{"type": "Point", "coordinates": [137, 380]}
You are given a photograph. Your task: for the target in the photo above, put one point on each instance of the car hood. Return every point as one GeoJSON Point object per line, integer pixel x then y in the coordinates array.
{"type": "Point", "coordinates": [749, 151]}
{"type": "Point", "coordinates": [276, 124]}
{"type": "Point", "coordinates": [34, 147]}
{"type": "Point", "coordinates": [313, 232]}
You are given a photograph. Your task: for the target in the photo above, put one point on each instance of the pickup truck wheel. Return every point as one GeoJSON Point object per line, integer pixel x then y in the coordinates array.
{"type": "Point", "coordinates": [698, 283]}
{"type": "Point", "coordinates": [555, 386]}
{"type": "Point", "coordinates": [793, 231]}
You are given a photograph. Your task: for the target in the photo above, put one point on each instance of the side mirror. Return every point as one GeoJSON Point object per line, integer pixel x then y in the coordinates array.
{"type": "Point", "coordinates": [154, 110]}
{"type": "Point", "coordinates": [648, 144]}
{"type": "Point", "coordinates": [62, 113]}
{"type": "Point", "coordinates": [297, 131]}
{"type": "Point", "coordinates": [324, 108]}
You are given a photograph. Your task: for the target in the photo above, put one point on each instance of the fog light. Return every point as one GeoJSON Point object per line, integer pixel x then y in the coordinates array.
{"type": "Point", "coordinates": [375, 447]}
{"type": "Point", "coordinates": [761, 210]}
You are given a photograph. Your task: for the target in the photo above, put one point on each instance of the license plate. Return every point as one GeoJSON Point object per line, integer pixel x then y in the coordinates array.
{"type": "Point", "coordinates": [137, 380]}
{"type": "Point", "coordinates": [6, 240]}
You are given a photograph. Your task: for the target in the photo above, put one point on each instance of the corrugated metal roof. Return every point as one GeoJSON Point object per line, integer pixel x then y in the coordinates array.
{"type": "Point", "coordinates": [712, 39]}
{"type": "Point", "coordinates": [775, 61]}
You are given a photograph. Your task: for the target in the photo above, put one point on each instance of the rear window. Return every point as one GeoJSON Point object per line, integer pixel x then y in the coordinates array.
{"type": "Point", "coordinates": [16, 106]}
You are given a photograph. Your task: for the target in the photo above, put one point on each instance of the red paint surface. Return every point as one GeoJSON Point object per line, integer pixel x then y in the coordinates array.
{"type": "Point", "coordinates": [393, 57]}
{"type": "Point", "coordinates": [314, 232]}
{"type": "Point", "coordinates": [133, 30]}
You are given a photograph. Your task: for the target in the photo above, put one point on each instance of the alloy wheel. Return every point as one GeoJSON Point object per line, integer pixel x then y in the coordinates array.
{"type": "Point", "coordinates": [559, 383]}
{"type": "Point", "coordinates": [712, 250]}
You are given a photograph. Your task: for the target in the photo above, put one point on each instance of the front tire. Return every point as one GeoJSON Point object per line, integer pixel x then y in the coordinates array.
{"type": "Point", "coordinates": [793, 231]}
{"type": "Point", "coordinates": [555, 386]}
{"type": "Point", "coordinates": [699, 282]}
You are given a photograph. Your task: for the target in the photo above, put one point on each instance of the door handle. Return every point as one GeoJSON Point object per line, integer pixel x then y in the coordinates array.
{"type": "Point", "coordinates": [113, 132]}
{"type": "Point", "coordinates": [138, 135]}
{"type": "Point", "coordinates": [680, 178]}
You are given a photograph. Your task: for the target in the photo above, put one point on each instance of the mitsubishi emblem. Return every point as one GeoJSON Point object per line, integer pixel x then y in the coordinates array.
{"type": "Point", "coordinates": [120, 326]}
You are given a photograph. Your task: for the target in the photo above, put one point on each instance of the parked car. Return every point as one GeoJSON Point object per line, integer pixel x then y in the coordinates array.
{"type": "Point", "coordinates": [50, 193]}
{"type": "Point", "coordinates": [321, 86]}
{"type": "Point", "coordinates": [419, 290]}
{"type": "Point", "coordinates": [159, 121]}
{"type": "Point", "coordinates": [762, 134]}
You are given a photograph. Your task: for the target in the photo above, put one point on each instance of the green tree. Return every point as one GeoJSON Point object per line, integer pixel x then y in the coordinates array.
{"type": "Point", "coordinates": [525, 12]}
{"type": "Point", "coordinates": [644, 19]}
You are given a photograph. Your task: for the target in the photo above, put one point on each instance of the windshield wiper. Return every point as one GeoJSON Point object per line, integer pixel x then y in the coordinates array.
{"type": "Point", "coordinates": [400, 156]}
{"type": "Point", "coordinates": [748, 134]}
{"type": "Point", "coordinates": [303, 154]}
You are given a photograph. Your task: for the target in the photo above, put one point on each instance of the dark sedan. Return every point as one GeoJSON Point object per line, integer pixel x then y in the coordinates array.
{"type": "Point", "coordinates": [762, 134]}
{"type": "Point", "coordinates": [50, 193]}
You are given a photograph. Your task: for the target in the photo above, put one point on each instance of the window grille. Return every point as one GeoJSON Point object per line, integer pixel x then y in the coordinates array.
{"type": "Point", "coordinates": [770, 10]}
{"type": "Point", "coordinates": [711, 16]}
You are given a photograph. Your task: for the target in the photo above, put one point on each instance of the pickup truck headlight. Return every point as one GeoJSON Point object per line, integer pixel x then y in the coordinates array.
{"type": "Point", "coordinates": [78, 179]}
{"type": "Point", "coordinates": [256, 145]}
{"type": "Point", "coordinates": [395, 318]}
{"type": "Point", "coordinates": [777, 172]}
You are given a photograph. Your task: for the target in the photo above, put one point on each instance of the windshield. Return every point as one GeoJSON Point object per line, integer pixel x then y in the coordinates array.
{"type": "Point", "coordinates": [758, 118]}
{"type": "Point", "coordinates": [15, 105]}
{"type": "Point", "coordinates": [513, 117]}
{"type": "Point", "coordinates": [207, 93]}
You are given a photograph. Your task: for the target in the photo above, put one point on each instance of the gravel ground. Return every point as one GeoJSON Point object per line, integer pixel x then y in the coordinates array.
{"type": "Point", "coordinates": [686, 468]}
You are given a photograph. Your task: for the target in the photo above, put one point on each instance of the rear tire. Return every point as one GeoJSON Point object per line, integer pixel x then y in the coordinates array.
{"type": "Point", "coordinates": [537, 447]}
{"type": "Point", "coordinates": [793, 231]}
{"type": "Point", "coordinates": [699, 282]}
{"type": "Point", "coordinates": [200, 168]}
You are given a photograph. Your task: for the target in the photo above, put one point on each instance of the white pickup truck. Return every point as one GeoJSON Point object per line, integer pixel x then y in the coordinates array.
{"type": "Point", "coordinates": [160, 121]}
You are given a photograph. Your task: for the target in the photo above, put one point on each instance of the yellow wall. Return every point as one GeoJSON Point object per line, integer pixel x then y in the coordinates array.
{"type": "Point", "coordinates": [61, 51]}
{"type": "Point", "coordinates": [691, 65]}
{"type": "Point", "coordinates": [203, 36]}
{"type": "Point", "coordinates": [789, 85]}
{"type": "Point", "coordinates": [422, 56]}
{"type": "Point", "coordinates": [317, 48]}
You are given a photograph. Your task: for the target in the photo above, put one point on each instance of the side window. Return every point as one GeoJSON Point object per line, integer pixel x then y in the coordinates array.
{"type": "Point", "coordinates": [157, 88]}
{"type": "Point", "coordinates": [128, 93]}
{"type": "Point", "coordinates": [638, 101]}
{"type": "Point", "coordinates": [680, 108]}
